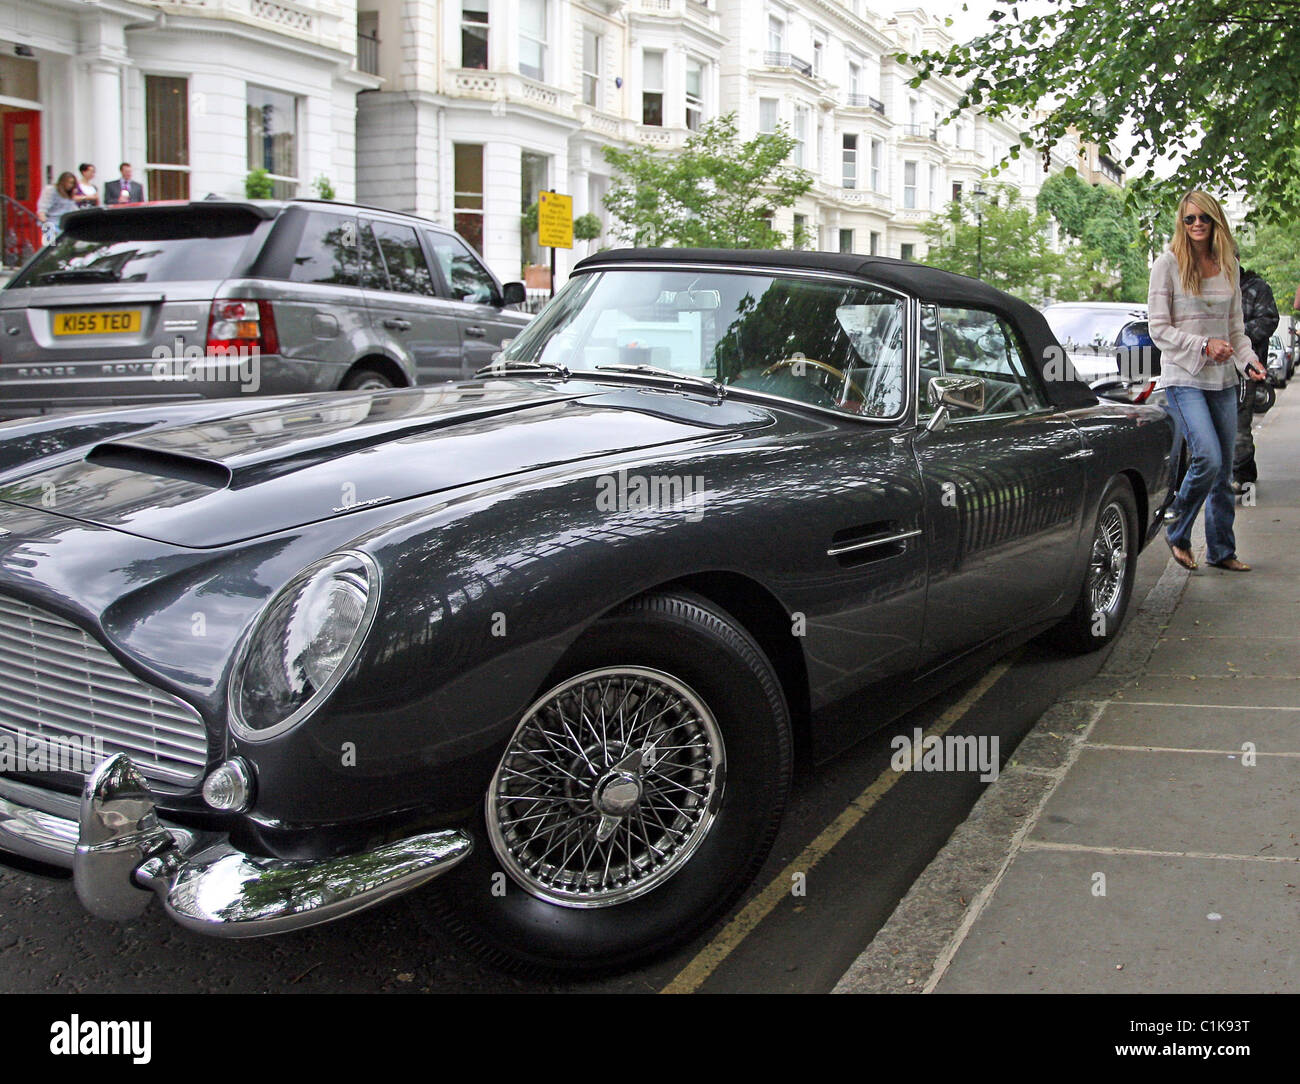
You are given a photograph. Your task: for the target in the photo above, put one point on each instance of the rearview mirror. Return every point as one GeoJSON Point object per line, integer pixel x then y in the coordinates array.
{"type": "Point", "coordinates": [513, 293]}
{"type": "Point", "coordinates": [961, 393]}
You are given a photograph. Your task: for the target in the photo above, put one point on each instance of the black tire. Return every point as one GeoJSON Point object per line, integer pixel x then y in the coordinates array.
{"type": "Point", "coordinates": [489, 905]}
{"type": "Point", "coordinates": [1089, 626]}
{"type": "Point", "coordinates": [366, 380]}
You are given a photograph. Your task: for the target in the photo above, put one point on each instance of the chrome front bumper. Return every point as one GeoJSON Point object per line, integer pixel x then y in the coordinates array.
{"type": "Point", "coordinates": [119, 852]}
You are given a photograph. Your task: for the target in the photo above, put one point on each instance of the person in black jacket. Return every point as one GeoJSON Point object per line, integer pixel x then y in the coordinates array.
{"type": "Point", "coordinates": [1259, 311]}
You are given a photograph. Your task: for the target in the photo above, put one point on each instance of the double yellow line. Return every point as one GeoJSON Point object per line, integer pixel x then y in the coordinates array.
{"type": "Point", "coordinates": [709, 958]}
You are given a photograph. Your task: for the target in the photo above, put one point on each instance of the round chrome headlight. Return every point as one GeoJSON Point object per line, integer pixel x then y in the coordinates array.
{"type": "Point", "coordinates": [302, 644]}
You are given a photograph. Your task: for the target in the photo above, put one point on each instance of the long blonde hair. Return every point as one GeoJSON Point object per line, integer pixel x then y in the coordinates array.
{"type": "Point", "coordinates": [1222, 247]}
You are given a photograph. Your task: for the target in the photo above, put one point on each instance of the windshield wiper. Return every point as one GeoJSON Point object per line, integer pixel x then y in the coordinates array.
{"type": "Point", "coordinates": [89, 274]}
{"type": "Point", "coordinates": [712, 384]}
{"type": "Point", "coordinates": [495, 367]}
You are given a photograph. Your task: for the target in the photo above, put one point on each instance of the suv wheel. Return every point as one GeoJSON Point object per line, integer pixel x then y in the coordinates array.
{"type": "Point", "coordinates": [366, 380]}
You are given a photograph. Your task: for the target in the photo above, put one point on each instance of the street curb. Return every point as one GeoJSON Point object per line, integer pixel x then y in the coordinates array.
{"type": "Point", "coordinates": [913, 948]}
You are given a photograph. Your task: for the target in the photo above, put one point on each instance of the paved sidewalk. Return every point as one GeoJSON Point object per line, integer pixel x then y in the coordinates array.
{"type": "Point", "coordinates": [1145, 836]}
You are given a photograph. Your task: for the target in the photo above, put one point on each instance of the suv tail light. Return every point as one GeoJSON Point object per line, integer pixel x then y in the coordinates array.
{"type": "Point", "coordinates": [236, 326]}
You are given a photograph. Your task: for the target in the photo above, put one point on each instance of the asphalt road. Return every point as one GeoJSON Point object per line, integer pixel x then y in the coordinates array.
{"type": "Point", "coordinates": [857, 832]}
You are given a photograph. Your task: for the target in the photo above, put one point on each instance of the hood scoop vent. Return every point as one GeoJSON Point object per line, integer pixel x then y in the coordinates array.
{"type": "Point", "coordinates": [161, 464]}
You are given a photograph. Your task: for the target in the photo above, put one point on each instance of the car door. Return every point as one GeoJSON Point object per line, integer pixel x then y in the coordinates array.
{"type": "Point", "coordinates": [1004, 487]}
{"type": "Point", "coordinates": [474, 295]}
{"type": "Point", "coordinates": [405, 309]}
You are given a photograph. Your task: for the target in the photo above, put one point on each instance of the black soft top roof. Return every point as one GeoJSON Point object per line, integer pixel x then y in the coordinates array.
{"type": "Point", "coordinates": [927, 283]}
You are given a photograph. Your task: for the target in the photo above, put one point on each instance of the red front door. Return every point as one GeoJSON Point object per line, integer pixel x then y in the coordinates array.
{"type": "Point", "coordinates": [20, 154]}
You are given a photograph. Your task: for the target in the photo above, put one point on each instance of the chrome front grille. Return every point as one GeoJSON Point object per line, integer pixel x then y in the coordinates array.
{"type": "Point", "coordinates": [57, 684]}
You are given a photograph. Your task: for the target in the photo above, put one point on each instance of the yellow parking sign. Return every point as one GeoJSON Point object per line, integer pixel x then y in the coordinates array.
{"type": "Point", "coordinates": [554, 220]}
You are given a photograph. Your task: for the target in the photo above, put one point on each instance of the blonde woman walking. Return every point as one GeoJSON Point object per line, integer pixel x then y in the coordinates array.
{"type": "Point", "coordinates": [1194, 313]}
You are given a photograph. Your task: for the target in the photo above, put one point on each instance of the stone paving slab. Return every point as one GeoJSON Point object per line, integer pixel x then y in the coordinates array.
{"type": "Point", "coordinates": [1181, 801]}
{"type": "Point", "coordinates": [1150, 933]}
{"type": "Point", "coordinates": [1272, 730]}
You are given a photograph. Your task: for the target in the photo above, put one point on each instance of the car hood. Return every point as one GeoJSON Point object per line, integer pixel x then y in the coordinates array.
{"type": "Point", "coordinates": [260, 471]}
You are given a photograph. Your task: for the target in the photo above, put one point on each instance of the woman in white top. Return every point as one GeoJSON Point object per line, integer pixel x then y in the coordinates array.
{"type": "Point", "coordinates": [1194, 313]}
{"type": "Point", "coordinates": [87, 194]}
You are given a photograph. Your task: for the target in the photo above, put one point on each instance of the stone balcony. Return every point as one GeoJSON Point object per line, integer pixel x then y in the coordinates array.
{"type": "Point", "coordinates": [319, 23]}
{"type": "Point", "coordinates": [691, 11]}
{"type": "Point", "coordinates": [613, 128]}
{"type": "Point", "coordinates": [861, 198]}
{"type": "Point", "coordinates": [510, 88]}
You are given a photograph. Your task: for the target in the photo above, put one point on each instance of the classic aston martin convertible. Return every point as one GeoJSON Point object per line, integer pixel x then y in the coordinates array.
{"type": "Point", "coordinates": [540, 647]}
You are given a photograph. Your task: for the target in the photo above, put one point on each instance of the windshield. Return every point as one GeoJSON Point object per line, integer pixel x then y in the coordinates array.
{"type": "Point", "coordinates": [824, 343]}
{"type": "Point", "coordinates": [1089, 331]}
{"type": "Point", "coordinates": [155, 257]}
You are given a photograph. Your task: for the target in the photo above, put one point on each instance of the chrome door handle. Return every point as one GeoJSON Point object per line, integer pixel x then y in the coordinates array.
{"type": "Point", "coordinates": [475, 332]}
{"type": "Point", "coordinates": [397, 325]}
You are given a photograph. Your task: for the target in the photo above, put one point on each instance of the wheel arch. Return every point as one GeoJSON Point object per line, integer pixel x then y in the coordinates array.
{"type": "Point", "coordinates": [1138, 484]}
{"type": "Point", "coordinates": [379, 363]}
{"type": "Point", "coordinates": [762, 615]}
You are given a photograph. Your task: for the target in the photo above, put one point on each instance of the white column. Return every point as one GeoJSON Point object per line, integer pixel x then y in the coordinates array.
{"type": "Point", "coordinates": [106, 108]}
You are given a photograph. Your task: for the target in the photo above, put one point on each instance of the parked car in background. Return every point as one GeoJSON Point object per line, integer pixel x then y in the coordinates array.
{"type": "Point", "coordinates": [215, 299]}
{"type": "Point", "coordinates": [555, 650]}
{"type": "Point", "coordinates": [1279, 361]}
{"type": "Point", "coordinates": [1109, 345]}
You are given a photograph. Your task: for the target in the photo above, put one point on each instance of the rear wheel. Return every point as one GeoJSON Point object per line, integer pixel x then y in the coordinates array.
{"type": "Point", "coordinates": [366, 380]}
{"type": "Point", "coordinates": [637, 798]}
{"type": "Point", "coordinates": [1108, 583]}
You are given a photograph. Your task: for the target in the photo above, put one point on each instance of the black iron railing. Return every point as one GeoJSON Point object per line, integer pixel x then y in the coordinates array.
{"type": "Point", "coordinates": [20, 232]}
{"type": "Point", "coordinates": [787, 60]}
{"type": "Point", "coordinates": [367, 54]}
{"type": "Point", "coordinates": [866, 101]}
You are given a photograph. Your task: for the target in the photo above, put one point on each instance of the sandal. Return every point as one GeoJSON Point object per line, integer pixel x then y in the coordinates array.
{"type": "Point", "coordinates": [1230, 563]}
{"type": "Point", "coordinates": [1188, 562]}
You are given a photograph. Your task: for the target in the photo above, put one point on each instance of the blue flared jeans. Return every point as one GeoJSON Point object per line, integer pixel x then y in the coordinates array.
{"type": "Point", "coordinates": [1207, 422]}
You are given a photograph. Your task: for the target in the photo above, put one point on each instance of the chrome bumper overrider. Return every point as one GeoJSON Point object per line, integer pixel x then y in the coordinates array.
{"type": "Point", "coordinates": [118, 851]}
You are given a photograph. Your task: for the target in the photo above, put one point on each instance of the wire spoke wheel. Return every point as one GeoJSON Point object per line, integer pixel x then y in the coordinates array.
{"type": "Point", "coordinates": [1109, 561]}
{"type": "Point", "coordinates": [607, 788]}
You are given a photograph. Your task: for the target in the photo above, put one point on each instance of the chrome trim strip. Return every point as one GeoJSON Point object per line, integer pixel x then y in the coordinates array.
{"type": "Point", "coordinates": [43, 837]}
{"type": "Point", "coordinates": [836, 551]}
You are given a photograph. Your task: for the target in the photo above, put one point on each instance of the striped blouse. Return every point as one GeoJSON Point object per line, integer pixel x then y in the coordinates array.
{"type": "Point", "coordinates": [1180, 323]}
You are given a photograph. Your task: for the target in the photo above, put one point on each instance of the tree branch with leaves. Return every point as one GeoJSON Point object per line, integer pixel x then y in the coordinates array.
{"type": "Point", "coordinates": [1213, 83]}
{"type": "Point", "coordinates": [717, 192]}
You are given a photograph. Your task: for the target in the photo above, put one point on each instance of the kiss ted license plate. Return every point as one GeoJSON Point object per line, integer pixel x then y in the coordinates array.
{"type": "Point", "coordinates": [115, 322]}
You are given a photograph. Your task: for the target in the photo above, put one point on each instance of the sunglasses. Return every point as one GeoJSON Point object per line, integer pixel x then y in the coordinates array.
{"type": "Point", "coordinates": [1204, 220]}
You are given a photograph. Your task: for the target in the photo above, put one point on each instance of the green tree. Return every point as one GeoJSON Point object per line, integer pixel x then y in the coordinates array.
{"type": "Point", "coordinates": [1270, 251]}
{"type": "Point", "coordinates": [1109, 234]}
{"type": "Point", "coordinates": [1212, 84]}
{"type": "Point", "coordinates": [1016, 254]}
{"type": "Point", "coordinates": [717, 192]}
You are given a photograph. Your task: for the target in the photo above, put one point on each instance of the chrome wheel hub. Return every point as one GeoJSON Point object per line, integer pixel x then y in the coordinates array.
{"type": "Point", "coordinates": [617, 794]}
{"type": "Point", "coordinates": [607, 787]}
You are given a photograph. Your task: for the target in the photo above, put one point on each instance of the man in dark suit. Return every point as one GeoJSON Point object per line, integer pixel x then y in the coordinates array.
{"type": "Point", "coordinates": [123, 190]}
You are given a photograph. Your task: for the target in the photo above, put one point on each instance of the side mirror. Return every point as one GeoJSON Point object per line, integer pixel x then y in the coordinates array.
{"type": "Point", "coordinates": [964, 394]}
{"type": "Point", "coordinates": [513, 293]}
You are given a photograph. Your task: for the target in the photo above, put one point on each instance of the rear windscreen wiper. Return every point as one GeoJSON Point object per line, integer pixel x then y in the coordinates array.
{"type": "Point", "coordinates": [87, 274]}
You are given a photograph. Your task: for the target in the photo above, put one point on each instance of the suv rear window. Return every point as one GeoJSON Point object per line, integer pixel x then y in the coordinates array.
{"type": "Point", "coordinates": [171, 245]}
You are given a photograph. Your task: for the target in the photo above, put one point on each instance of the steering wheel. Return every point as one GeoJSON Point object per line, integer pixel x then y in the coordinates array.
{"type": "Point", "coordinates": [1008, 399]}
{"type": "Point", "coordinates": [791, 362]}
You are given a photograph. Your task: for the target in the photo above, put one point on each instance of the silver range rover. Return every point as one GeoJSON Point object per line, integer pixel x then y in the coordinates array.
{"type": "Point", "coordinates": [216, 299]}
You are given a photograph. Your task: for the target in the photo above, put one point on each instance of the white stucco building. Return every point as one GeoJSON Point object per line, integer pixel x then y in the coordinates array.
{"type": "Point", "coordinates": [193, 93]}
{"type": "Point", "coordinates": [486, 102]}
